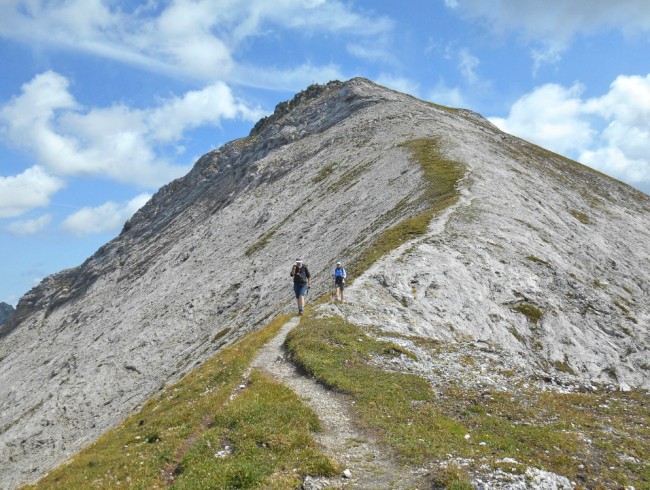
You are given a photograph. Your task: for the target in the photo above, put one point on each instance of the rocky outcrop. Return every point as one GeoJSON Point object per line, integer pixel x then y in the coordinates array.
{"type": "Point", "coordinates": [5, 312]}
{"type": "Point", "coordinates": [541, 255]}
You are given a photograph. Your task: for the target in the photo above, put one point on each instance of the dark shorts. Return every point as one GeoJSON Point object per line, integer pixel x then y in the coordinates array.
{"type": "Point", "coordinates": [338, 282]}
{"type": "Point", "coordinates": [299, 289]}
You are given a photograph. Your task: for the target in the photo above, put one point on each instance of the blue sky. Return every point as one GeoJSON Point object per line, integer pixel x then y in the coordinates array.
{"type": "Point", "coordinates": [104, 101]}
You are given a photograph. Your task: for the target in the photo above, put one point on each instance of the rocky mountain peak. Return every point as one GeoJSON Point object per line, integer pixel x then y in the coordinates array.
{"type": "Point", "coordinates": [539, 258]}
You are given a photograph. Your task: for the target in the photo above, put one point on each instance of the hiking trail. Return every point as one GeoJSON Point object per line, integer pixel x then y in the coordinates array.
{"type": "Point", "coordinates": [370, 465]}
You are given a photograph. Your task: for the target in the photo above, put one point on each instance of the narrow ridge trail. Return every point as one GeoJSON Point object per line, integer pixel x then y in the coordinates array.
{"type": "Point", "coordinates": [370, 465]}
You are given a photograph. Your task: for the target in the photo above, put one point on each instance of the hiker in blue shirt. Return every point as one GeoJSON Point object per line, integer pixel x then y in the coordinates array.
{"type": "Point", "coordinates": [339, 280]}
{"type": "Point", "coordinates": [301, 282]}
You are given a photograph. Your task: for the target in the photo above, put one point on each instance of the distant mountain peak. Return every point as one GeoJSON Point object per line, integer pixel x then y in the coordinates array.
{"type": "Point", "coordinates": [6, 311]}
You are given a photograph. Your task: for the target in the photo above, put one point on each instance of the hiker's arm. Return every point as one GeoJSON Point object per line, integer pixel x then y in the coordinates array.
{"type": "Point", "coordinates": [293, 271]}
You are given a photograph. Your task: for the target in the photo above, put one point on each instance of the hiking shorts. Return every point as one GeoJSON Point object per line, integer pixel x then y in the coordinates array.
{"type": "Point", "coordinates": [338, 282]}
{"type": "Point", "coordinates": [299, 289]}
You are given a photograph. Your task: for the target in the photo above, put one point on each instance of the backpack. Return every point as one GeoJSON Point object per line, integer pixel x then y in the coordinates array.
{"type": "Point", "coordinates": [301, 277]}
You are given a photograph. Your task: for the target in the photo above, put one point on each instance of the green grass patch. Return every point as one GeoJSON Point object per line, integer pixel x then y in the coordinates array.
{"type": "Point", "coordinates": [563, 367]}
{"type": "Point", "coordinates": [619, 304]}
{"type": "Point", "coordinates": [398, 405]}
{"type": "Point", "coordinates": [324, 173]}
{"type": "Point", "coordinates": [261, 243]}
{"type": "Point", "coordinates": [221, 334]}
{"type": "Point", "coordinates": [597, 284]}
{"type": "Point", "coordinates": [537, 260]}
{"type": "Point", "coordinates": [349, 178]}
{"type": "Point", "coordinates": [440, 178]}
{"type": "Point", "coordinates": [450, 477]}
{"type": "Point", "coordinates": [553, 431]}
{"type": "Point", "coordinates": [269, 431]}
{"type": "Point", "coordinates": [531, 312]}
{"type": "Point", "coordinates": [580, 216]}
{"type": "Point", "coordinates": [135, 453]}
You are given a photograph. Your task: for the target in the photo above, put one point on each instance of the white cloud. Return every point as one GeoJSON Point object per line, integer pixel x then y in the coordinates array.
{"type": "Point", "coordinates": [467, 63]}
{"type": "Point", "coordinates": [187, 38]}
{"type": "Point", "coordinates": [550, 53]}
{"type": "Point", "coordinates": [117, 142]}
{"type": "Point", "coordinates": [29, 227]}
{"type": "Point", "coordinates": [26, 191]}
{"type": "Point", "coordinates": [624, 146]}
{"type": "Point", "coordinates": [552, 25]}
{"type": "Point", "coordinates": [197, 108]}
{"type": "Point", "coordinates": [551, 116]}
{"type": "Point", "coordinates": [108, 217]}
{"type": "Point", "coordinates": [560, 119]}
{"type": "Point", "coordinates": [558, 19]}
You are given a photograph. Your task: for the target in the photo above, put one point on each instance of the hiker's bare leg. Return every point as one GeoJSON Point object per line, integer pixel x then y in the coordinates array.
{"type": "Point", "coordinates": [301, 302]}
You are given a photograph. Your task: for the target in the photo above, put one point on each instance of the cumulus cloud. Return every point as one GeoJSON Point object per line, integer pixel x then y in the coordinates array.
{"type": "Point", "coordinates": [189, 38]}
{"type": "Point", "coordinates": [107, 217]}
{"type": "Point", "coordinates": [117, 142]}
{"type": "Point", "coordinates": [29, 227]}
{"type": "Point", "coordinates": [624, 146]}
{"type": "Point", "coordinates": [552, 25]}
{"type": "Point", "coordinates": [610, 132]}
{"type": "Point", "coordinates": [30, 189]}
{"type": "Point", "coordinates": [196, 108]}
{"type": "Point", "coordinates": [551, 116]}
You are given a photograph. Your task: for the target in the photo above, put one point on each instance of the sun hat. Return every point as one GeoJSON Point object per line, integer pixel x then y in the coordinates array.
{"type": "Point", "coordinates": [339, 263]}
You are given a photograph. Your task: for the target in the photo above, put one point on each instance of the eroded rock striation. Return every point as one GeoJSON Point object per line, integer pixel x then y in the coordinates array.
{"type": "Point", "coordinates": [542, 256]}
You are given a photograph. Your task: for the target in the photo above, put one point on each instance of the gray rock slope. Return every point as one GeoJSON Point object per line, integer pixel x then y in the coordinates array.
{"type": "Point", "coordinates": [207, 260]}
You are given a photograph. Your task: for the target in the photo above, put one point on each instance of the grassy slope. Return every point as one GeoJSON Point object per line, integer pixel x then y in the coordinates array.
{"type": "Point", "coordinates": [440, 179]}
{"type": "Point", "coordinates": [553, 431]}
{"type": "Point", "coordinates": [161, 439]}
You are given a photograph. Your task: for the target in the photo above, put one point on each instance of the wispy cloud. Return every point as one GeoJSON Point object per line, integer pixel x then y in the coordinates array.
{"type": "Point", "coordinates": [372, 53]}
{"type": "Point", "coordinates": [108, 217]}
{"type": "Point", "coordinates": [287, 78]}
{"type": "Point", "coordinates": [467, 63]}
{"type": "Point", "coordinates": [186, 38]}
{"type": "Point", "coordinates": [552, 27]}
{"type": "Point", "coordinates": [30, 226]}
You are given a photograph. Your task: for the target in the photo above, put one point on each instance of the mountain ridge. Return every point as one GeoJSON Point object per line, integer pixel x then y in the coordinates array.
{"type": "Point", "coordinates": [206, 261]}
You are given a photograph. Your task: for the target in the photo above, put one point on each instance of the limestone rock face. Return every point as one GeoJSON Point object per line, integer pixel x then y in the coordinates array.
{"type": "Point", "coordinates": [542, 256]}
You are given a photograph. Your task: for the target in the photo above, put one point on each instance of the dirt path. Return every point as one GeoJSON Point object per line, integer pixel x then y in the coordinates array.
{"type": "Point", "coordinates": [370, 466]}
